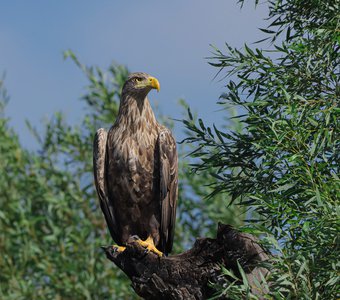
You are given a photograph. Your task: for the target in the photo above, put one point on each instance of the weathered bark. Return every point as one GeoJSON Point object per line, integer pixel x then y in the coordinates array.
{"type": "Point", "coordinates": [188, 275]}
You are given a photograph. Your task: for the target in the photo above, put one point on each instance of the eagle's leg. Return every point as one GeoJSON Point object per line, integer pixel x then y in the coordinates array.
{"type": "Point", "coordinates": [150, 246]}
{"type": "Point", "coordinates": [117, 248]}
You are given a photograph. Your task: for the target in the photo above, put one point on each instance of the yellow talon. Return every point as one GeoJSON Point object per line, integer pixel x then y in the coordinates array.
{"type": "Point", "coordinates": [150, 246]}
{"type": "Point", "coordinates": [118, 248]}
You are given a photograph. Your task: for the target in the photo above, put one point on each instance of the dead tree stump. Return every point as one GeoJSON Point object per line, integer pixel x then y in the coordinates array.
{"type": "Point", "coordinates": [188, 275]}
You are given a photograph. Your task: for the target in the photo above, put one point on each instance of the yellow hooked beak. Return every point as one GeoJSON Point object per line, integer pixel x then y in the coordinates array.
{"type": "Point", "coordinates": [153, 82]}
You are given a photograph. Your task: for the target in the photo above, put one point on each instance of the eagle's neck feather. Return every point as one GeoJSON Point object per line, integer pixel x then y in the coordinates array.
{"type": "Point", "coordinates": [136, 114]}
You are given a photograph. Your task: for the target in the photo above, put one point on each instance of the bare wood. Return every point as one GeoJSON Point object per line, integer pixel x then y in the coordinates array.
{"type": "Point", "coordinates": [188, 275]}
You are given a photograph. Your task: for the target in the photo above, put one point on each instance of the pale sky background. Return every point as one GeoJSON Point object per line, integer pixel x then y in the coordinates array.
{"type": "Point", "coordinates": [168, 39]}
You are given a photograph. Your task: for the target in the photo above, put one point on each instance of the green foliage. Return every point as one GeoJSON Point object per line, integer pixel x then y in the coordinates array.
{"type": "Point", "coordinates": [199, 208]}
{"type": "Point", "coordinates": [51, 226]}
{"type": "Point", "coordinates": [284, 164]}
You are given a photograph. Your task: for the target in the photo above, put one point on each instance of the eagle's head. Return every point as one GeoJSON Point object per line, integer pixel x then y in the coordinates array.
{"type": "Point", "coordinates": [139, 84]}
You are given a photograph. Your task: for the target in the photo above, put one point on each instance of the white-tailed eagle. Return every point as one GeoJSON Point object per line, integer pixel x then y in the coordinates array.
{"type": "Point", "coordinates": [136, 171]}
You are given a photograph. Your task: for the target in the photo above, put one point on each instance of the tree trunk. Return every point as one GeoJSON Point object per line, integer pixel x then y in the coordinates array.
{"type": "Point", "coordinates": [189, 275]}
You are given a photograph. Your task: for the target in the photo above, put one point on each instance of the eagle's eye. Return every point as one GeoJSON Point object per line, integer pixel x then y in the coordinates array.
{"type": "Point", "coordinates": [138, 80]}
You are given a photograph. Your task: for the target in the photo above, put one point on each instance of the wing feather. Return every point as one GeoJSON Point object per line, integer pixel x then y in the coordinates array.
{"type": "Point", "coordinates": [99, 165]}
{"type": "Point", "coordinates": [168, 163]}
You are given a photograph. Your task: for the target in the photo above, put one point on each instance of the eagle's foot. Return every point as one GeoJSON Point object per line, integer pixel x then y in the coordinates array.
{"type": "Point", "coordinates": [117, 248]}
{"type": "Point", "coordinates": [149, 245]}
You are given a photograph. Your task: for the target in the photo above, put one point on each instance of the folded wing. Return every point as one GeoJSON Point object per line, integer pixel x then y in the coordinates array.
{"type": "Point", "coordinates": [99, 164]}
{"type": "Point", "coordinates": [168, 187]}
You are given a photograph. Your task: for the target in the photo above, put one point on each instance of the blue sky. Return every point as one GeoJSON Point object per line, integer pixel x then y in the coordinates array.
{"type": "Point", "coordinates": [169, 40]}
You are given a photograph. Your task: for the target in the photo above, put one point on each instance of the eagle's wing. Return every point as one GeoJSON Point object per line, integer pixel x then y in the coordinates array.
{"type": "Point", "coordinates": [99, 164]}
{"type": "Point", "coordinates": [168, 187]}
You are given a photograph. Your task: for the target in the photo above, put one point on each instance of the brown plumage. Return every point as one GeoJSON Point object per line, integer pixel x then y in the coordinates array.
{"type": "Point", "coordinates": [135, 169]}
